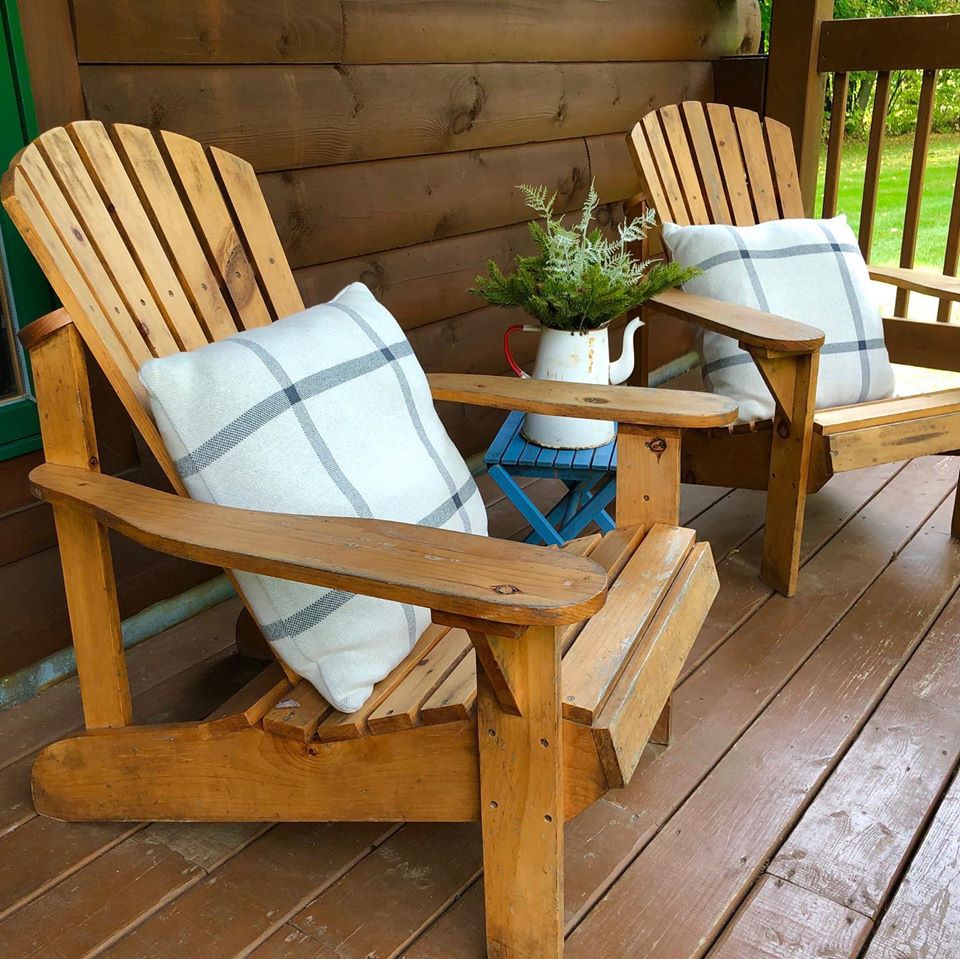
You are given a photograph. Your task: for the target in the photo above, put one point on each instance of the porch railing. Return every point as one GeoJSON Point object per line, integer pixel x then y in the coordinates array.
{"type": "Point", "coordinates": [926, 44]}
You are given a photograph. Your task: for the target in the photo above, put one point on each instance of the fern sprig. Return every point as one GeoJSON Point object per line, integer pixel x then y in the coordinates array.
{"type": "Point", "coordinates": [581, 280]}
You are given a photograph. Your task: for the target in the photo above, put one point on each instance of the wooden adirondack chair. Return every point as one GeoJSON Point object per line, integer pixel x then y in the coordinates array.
{"type": "Point", "coordinates": [155, 245]}
{"type": "Point", "coordinates": [708, 163]}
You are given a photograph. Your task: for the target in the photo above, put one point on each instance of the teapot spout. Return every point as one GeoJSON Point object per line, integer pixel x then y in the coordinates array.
{"type": "Point", "coordinates": [623, 367]}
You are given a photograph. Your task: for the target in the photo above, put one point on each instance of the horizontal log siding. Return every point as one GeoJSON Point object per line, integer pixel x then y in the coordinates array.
{"type": "Point", "coordinates": [411, 31]}
{"type": "Point", "coordinates": [389, 136]}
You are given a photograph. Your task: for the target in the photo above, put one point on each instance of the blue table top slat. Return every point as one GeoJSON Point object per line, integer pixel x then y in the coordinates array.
{"type": "Point", "coordinates": [547, 457]}
{"type": "Point", "coordinates": [529, 454]}
{"type": "Point", "coordinates": [511, 456]}
{"type": "Point", "coordinates": [510, 428]}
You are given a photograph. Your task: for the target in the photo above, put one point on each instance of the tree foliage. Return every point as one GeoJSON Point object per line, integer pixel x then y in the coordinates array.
{"type": "Point", "coordinates": [580, 280]}
{"type": "Point", "coordinates": [905, 84]}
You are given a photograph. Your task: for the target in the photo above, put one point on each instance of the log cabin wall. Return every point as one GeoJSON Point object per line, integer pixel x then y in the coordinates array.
{"type": "Point", "coordinates": [389, 137]}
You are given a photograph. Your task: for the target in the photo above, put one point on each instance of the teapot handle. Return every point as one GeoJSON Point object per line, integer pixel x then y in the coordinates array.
{"type": "Point", "coordinates": [516, 328]}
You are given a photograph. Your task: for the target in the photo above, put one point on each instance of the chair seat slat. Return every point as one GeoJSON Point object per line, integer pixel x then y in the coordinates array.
{"type": "Point", "coordinates": [400, 710]}
{"type": "Point", "coordinates": [297, 713]}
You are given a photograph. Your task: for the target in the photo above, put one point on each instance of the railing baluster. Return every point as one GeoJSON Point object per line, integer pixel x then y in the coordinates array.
{"type": "Point", "coordinates": [838, 122]}
{"type": "Point", "coordinates": [918, 171]}
{"type": "Point", "coordinates": [871, 179]}
{"type": "Point", "coordinates": [953, 247]}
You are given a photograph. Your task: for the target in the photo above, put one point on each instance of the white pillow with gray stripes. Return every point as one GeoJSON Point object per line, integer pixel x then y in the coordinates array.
{"type": "Point", "coordinates": [324, 413]}
{"type": "Point", "coordinates": [811, 271]}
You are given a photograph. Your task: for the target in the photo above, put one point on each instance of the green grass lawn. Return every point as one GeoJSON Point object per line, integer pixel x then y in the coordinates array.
{"type": "Point", "coordinates": [892, 199]}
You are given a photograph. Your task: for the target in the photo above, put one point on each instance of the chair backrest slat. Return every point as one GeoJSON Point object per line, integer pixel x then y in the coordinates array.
{"type": "Point", "coordinates": [250, 211]}
{"type": "Point", "coordinates": [668, 174]}
{"type": "Point", "coordinates": [678, 142]}
{"type": "Point", "coordinates": [731, 163]}
{"type": "Point", "coordinates": [649, 173]}
{"type": "Point", "coordinates": [726, 164]}
{"type": "Point", "coordinates": [91, 273]}
{"type": "Point", "coordinates": [754, 149]}
{"type": "Point", "coordinates": [110, 247]}
{"type": "Point", "coordinates": [150, 176]}
{"type": "Point", "coordinates": [215, 226]}
{"type": "Point", "coordinates": [705, 153]}
{"type": "Point", "coordinates": [105, 167]}
{"type": "Point", "coordinates": [786, 175]}
{"type": "Point", "coordinates": [153, 247]}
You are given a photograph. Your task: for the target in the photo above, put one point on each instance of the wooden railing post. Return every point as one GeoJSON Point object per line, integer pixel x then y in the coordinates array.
{"type": "Point", "coordinates": [795, 87]}
{"type": "Point", "coordinates": [66, 425]}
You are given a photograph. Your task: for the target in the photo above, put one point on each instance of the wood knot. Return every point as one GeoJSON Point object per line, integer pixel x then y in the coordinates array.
{"type": "Point", "coordinates": [505, 589]}
{"type": "Point", "coordinates": [658, 446]}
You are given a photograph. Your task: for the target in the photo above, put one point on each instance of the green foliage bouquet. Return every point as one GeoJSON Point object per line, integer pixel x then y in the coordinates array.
{"type": "Point", "coordinates": [581, 280]}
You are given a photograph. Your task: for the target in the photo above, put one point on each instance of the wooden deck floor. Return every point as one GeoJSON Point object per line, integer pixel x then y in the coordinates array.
{"type": "Point", "coordinates": [808, 806]}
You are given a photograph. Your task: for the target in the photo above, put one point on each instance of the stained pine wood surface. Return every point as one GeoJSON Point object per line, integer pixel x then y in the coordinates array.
{"type": "Point", "coordinates": [807, 805]}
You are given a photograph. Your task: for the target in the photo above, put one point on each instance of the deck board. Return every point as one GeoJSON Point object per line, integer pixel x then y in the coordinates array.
{"type": "Point", "coordinates": [782, 716]}
{"type": "Point", "coordinates": [923, 921]}
{"type": "Point", "coordinates": [716, 845]}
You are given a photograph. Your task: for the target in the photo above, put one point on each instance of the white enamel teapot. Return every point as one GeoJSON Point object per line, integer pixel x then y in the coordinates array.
{"type": "Point", "coordinates": [573, 358]}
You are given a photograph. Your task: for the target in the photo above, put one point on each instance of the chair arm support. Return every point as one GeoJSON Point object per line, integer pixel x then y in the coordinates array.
{"type": "Point", "coordinates": [627, 404]}
{"type": "Point", "coordinates": [471, 576]}
{"type": "Point", "coordinates": [752, 328]}
{"type": "Point", "coordinates": [918, 281]}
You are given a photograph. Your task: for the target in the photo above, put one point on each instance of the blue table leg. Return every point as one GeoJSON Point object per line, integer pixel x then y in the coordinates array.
{"type": "Point", "coordinates": [598, 501]}
{"type": "Point", "coordinates": [528, 509]}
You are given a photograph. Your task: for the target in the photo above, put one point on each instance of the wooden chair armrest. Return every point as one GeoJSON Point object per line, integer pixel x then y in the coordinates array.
{"type": "Point", "coordinates": [751, 328]}
{"type": "Point", "coordinates": [924, 343]}
{"type": "Point", "coordinates": [471, 576]}
{"type": "Point", "coordinates": [919, 281]}
{"type": "Point", "coordinates": [627, 404]}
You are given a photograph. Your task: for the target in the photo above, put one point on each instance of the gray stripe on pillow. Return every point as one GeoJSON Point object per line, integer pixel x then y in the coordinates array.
{"type": "Point", "coordinates": [412, 411]}
{"type": "Point", "coordinates": [850, 346]}
{"type": "Point", "coordinates": [855, 310]}
{"type": "Point", "coordinates": [750, 269]}
{"type": "Point", "coordinates": [782, 253]}
{"type": "Point", "coordinates": [330, 602]}
{"type": "Point", "coordinates": [451, 506]}
{"type": "Point", "coordinates": [278, 403]}
{"type": "Point", "coordinates": [309, 428]}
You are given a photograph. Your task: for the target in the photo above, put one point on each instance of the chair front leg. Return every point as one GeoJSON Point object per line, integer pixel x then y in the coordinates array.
{"type": "Point", "coordinates": [521, 794]}
{"type": "Point", "coordinates": [792, 380]}
{"type": "Point", "coordinates": [69, 439]}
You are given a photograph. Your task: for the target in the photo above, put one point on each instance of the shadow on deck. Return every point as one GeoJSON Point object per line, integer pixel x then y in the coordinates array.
{"type": "Point", "coordinates": [807, 807]}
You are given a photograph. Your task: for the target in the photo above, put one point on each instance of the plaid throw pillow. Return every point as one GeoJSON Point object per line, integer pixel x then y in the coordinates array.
{"type": "Point", "coordinates": [325, 413]}
{"type": "Point", "coordinates": [811, 271]}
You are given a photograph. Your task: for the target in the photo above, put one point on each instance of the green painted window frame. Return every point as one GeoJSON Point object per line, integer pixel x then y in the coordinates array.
{"type": "Point", "coordinates": [29, 294]}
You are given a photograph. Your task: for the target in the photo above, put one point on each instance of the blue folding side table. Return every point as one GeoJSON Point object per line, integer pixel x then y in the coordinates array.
{"type": "Point", "coordinates": [590, 477]}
